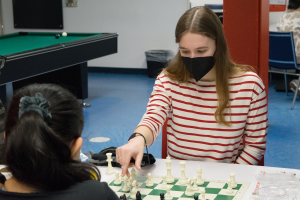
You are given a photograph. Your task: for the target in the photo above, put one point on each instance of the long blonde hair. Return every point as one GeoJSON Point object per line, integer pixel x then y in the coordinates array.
{"type": "Point", "coordinates": [201, 20]}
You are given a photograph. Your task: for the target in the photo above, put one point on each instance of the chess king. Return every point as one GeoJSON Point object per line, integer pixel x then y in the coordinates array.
{"type": "Point", "coordinates": [193, 95]}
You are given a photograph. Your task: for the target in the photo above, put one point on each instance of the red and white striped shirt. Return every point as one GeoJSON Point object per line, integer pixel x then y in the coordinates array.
{"type": "Point", "coordinates": [193, 132]}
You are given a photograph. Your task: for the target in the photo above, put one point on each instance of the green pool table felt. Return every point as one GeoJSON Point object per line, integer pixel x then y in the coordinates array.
{"type": "Point", "coordinates": [14, 43]}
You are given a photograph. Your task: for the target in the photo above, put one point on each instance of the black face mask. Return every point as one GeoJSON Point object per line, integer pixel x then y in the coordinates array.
{"type": "Point", "coordinates": [199, 66]}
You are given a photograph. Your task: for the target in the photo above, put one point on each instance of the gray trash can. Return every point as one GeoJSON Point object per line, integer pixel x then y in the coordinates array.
{"type": "Point", "coordinates": [156, 61]}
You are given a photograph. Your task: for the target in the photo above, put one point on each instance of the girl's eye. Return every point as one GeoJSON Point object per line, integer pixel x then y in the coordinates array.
{"type": "Point", "coordinates": [201, 51]}
{"type": "Point", "coordinates": [185, 52]}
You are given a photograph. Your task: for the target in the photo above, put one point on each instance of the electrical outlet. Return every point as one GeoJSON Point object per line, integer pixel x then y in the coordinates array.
{"type": "Point", "coordinates": [71, 3]}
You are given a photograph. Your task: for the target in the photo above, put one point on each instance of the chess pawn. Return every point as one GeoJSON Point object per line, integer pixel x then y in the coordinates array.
{"type": "Point", "coordinates": [168, 195]}
{"type": "Point", "coordinates": [199, 181]}
{"type": "Point", "coordinates": [164, 184]}
{"type": "Point", "coordinates": [110, 169]}
{"type": "Point", "coordinates": [229, 188]}
{"type": "Point", "coordinates": [123, 197]}
{"type": "Point", "coordinates": [133, 175]}
{"type": "Point", "coordinates": [232, 179]}
{"type": "Point", "coordinates": [170, 178]}
{"type": "Point", "coordinates": [134, 190]}
{"type": "Point", "coordinates": [203, 194]}
{"type": "Point", "coordinates": [195, 187]}
{"type": "Point", "coordinates": [117, 179]}
{"type": "Point", "coordinates": [149, 182]}
{"type": "Point", "coordinates": [125, 187]}
{"type": "Point", "coordinates": [138, 195]}
{"type": "Point", "coordinates": [199, 170]}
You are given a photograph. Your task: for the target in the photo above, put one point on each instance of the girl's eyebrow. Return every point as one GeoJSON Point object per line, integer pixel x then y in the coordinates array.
{"type": "Point", "coordinates": [180, 47]}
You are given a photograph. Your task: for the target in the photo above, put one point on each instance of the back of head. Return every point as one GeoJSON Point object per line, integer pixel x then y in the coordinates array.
{"type": "Point", "coordinates": [294, 4]}
{"type": "Point", "coordinates": [38, 140]}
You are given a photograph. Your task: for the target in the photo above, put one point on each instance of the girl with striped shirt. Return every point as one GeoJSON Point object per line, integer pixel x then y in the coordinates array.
{"type": "Point", "coordinates": [212, 104]}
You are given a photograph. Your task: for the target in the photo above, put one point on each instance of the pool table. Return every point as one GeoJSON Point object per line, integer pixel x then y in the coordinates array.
{"type": "Point", "coordinates": [40, 57]}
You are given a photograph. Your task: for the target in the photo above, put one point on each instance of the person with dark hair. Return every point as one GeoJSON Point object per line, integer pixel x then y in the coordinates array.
{"type": "Point", "coordinates": [42, 146]}
{"type": "Point", "coordinates": [212, 104]}
{"type": "Point", "coordinates": [290, 22]}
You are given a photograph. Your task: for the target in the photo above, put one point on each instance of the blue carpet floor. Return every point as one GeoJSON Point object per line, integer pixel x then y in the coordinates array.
{"type": "Point", "coordinates": [119, 102]}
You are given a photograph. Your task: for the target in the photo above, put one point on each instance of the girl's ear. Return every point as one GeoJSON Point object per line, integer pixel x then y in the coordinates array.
{"type": "Point", "coordinates": [75, 148]}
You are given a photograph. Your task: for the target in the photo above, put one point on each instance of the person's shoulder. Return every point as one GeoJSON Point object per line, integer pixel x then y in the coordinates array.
{"type": "Point", "coordinates": [165, 79]}
{"type": "Point", "coordinates": [248, 78]}
{"type": "Point", "coordinates": [91, 184]}
{"type": "Point", "coordinates": [163, 76]}
{"type": "Point", "coordinates": [96, 189]}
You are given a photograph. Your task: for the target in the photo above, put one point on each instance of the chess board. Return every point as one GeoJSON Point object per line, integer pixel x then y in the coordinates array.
{"type": "Point", "coordinates": [215, 189]}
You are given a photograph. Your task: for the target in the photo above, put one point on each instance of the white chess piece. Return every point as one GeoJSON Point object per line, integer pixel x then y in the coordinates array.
{"type": "Point", "coordinates": [133, 175]}
{"type": "Point", "coordinates": [110, 169]}
{"type": "Point", "coordinates": [182, 180]}
{"type": "Point", "coordinates": [203, 194]}
{"type": "Point", "coordinates": [233, 182]}
{"type": "Point", "coordinates": [125, 187]}
{"type": "Point", "coordinates": [134, 190]}
{"type": "Point", "coordinates": [168, 195]}
{"type": "Point", "coordinates": [195, 187]}
{"type": "Point", "coordinates": [229, 189]}
{"type": "Point", "coordinates": [164, 184]}
{"type": "Point", "coordinates": [189, 191]}
{"type": "Point", "coordinates": [117, 179]}
{"type": "Point", "coordinates": [170, 178]}
{"type": "Point", "coordinates": [149, 182]}
{"type": "Point", "coordinates": [199, 181]}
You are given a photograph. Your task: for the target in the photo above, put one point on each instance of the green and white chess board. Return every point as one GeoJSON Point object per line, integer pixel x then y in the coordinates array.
{"type": "Point", "coordinates": [215, 189]}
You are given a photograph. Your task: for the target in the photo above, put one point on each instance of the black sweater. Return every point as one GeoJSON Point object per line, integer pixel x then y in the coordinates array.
{"type": "Point", "coordinates": [87, 190]}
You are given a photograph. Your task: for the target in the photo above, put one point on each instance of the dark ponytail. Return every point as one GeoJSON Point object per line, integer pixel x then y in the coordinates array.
{"type": "Point", "coordinates": [294, 4]}
{"type": "Point", "coordinates": [38, 151]}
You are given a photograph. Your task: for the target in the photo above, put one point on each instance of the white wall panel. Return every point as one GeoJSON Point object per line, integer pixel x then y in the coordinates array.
{"type": "Point", "coordinates": [141, 25]}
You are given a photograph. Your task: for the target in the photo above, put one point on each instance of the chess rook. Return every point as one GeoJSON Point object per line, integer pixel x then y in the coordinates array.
{"type": "Point", "coordinates": [169, 178]}
{"type": "Point", "coordinates": [232, 179]}
{"type": "Point", "coordinates": [110, 169]}
{"type": "Point", "coordinates": [162, 196]}
{"type": "Point", "coordinates": [182, 180]}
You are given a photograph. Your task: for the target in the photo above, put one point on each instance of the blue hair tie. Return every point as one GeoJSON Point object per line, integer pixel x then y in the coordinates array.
{"type": "Point", "coordinates": [38, 104]}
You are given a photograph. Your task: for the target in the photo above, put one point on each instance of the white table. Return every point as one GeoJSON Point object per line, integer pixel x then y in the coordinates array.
{"type": "Point", "coordinates": [273, 27]}
{"type": "Point", "coordinates": [210, 170]}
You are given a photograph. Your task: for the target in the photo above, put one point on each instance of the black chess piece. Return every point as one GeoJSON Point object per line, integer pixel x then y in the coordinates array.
{"type": "Point", "coordinates": [121, 197]}
{"type": "Point", "coordinates": [162, 196]}
{"type": "Point", "coordinates": [138, 195]}
{"type": "Point", "coordinates": [196, 197]}
{"type": "Point", "coordinates": [124, 197]}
